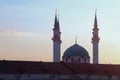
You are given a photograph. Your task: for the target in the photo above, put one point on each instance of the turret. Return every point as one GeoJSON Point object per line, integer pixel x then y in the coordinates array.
{"type": "Point", "coordinates": [56, 40]}
{"type": "Point", "coordinates": [95, 41]}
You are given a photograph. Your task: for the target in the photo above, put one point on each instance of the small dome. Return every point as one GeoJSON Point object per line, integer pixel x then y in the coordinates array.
{"type": "Point", "coordinates": [76, 50]}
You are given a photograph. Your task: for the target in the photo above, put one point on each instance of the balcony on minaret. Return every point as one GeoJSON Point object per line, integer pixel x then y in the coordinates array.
{"type": "Point", "coordinates": [95, 39]}
{"type": "Point", "coordinates": [95, 29]}
{"type": "Point", "coordinates": [55, 38]}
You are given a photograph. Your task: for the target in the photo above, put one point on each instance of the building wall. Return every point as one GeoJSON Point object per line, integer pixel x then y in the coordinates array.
{"type": "Point", "coordinates": [77, 59]}
{"type": "Point", "coordinates": [56, 77]}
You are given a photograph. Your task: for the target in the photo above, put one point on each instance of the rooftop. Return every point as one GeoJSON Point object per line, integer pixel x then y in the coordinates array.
{"type": "Point", "coordinates": [25, 67]}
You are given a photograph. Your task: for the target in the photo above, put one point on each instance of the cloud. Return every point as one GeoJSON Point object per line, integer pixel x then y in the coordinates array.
{"type": "Point", "coordinates": [7, 32]}
{"type": "Point", "coordinates": [15, 33]}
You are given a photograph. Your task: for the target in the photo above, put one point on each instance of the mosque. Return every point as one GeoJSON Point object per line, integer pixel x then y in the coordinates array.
{"type": "Point", "coordinates": [75, 64]}
{"type": "Point", "coordinates": [75, 53]}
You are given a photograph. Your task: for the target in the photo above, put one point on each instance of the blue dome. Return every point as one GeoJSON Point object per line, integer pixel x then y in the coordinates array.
{"type": "Point", "coordinates": [75, 50]}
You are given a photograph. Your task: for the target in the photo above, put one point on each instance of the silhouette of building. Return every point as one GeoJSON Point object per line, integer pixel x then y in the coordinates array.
{"type": "Point", "coordinates": [56, 40]}
{"type": "Point", "coordinates": [95, 41]}
{"type": "Point", "coordinates": [28, 70]}
{"type": "Point", "coordinates": [76, 54]}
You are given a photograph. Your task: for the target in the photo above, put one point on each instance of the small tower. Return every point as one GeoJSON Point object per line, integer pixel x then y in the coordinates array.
{"type": "Point", "coordinates": [95, 41]}
{"type": "Point", "coordinates": [56, 40]}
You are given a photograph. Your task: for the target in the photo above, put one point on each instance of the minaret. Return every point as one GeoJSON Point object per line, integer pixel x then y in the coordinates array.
{"type": "Point", "coordinates": [95, 41]}
{"type": "Point", "coordinates": [56, 40]}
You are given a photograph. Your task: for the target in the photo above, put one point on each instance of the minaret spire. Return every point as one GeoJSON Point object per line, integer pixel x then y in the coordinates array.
{"type": "Point", "coordinates": [56, 39]}
{"type": "Point", "coordinates": [56, 22]}
{"type": "Point", "coordinates": [95, 21]}
{"type": "Point", "coordinates": [95, 41]}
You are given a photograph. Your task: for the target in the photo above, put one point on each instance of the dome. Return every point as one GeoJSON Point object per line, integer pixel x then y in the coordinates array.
{"type": "Point", "coordinates": [76, 50]}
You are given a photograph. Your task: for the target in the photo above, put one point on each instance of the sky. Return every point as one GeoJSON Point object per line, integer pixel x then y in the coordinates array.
{"type": "Point", "coordinates": [26, 28]}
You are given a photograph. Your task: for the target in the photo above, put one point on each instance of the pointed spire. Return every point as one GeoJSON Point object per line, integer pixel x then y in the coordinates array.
{"type": "Point", "coordinates": [76, 40]}
{"type": "Point", "coordinates": [95, 30]}
{"type": "Point", "coordinates": [56, 23]}
{"type": "Point", "coordinates": [95, 21]}
{"type": "Point", "coordinates": [55, 16]}
{"type": "Point", "coordinates": [58, 20]}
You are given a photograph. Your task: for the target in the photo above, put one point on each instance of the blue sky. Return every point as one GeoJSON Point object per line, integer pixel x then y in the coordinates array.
{"type": "Point", "coordinates": [26, 27]}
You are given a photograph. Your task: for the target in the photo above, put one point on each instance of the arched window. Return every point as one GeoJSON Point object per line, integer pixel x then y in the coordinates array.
{"type": "Point", "coordinates": [79, 60]}
{"type": "Point", "coordinates": [66, 60]}
{"type": "Point", "coordinates": [72, 59]}
{"type": "Point", "coordinates": [85, 60]}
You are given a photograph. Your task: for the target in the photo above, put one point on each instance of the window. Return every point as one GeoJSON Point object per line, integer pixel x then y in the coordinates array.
{"type": "Point", "coordinates": [66, 60]}
{"type": "Point", "coordinates": [72, 60]}
{"type": "Point", "coordinates": [85, 60]}
{"type": "Point", "coordinates": [79, 60]}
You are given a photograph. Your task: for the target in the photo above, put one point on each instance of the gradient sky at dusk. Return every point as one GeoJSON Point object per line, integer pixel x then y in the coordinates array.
{"type": "Point", "coordinates": [26, 28]}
